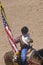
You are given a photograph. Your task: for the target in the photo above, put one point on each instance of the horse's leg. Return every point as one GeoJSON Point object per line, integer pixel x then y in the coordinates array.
{"type": "Point", "coordinates": [8, 58]}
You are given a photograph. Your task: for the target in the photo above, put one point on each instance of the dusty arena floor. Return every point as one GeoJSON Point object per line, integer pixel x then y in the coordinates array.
{"type": "Point", "coordinates": [20, 13]}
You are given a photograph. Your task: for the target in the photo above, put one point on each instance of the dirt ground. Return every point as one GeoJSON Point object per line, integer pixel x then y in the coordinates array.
{"type": "Point", "coordinates": [22, 13]}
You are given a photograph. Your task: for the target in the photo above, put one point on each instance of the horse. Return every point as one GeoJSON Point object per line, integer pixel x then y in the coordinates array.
{"type": "Point", "coordinates": [33, 57]}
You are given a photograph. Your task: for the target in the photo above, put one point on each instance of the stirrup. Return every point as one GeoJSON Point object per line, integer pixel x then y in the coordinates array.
{"type": "Point", "coordinates": [15, 59]}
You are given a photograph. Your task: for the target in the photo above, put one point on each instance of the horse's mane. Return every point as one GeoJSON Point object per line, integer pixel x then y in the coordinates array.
{"type": "Point", "coordinates": [40, 51]}
{"type": "Point", "coordinates": [39, 55]}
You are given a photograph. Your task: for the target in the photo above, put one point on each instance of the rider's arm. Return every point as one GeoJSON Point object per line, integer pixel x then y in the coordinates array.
{"type": "Point", "coordinates": [30, 41]}
{"type": "Point", "coordinates": [17, 40]}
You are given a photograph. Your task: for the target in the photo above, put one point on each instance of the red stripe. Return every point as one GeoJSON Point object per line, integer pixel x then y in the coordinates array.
{"type": "Point", "coordinates": [10, 37]}
{"type": "Point", "coordinates": [13, 47]}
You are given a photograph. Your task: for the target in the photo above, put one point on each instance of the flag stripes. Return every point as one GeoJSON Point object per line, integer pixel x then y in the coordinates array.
{"type": "Point", "coordinates": [11, 39]}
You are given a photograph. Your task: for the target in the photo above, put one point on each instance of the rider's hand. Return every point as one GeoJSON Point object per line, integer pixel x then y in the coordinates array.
{"type": "Point", "coordinates": [16, 53]}
{"type": "Point", "coordinates": [15, 56]}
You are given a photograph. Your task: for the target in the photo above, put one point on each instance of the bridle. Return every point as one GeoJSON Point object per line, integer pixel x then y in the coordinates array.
{"type": "Point", "coordinates": [33, 62]}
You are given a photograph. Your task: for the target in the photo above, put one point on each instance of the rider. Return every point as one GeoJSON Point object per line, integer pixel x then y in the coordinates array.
{"type": "Point", "coordinates": [25, 41]}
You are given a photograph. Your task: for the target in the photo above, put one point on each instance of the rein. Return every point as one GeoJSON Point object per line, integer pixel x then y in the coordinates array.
{"type": "Point", "coordinates": [32, 62]}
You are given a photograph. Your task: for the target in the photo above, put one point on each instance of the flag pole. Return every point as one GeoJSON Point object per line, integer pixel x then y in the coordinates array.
{"type": "Point", "coordinates": [8, 30]}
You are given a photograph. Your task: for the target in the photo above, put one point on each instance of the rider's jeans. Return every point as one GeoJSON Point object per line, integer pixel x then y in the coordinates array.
{"type": "Point", "coordinates": [23, 54]}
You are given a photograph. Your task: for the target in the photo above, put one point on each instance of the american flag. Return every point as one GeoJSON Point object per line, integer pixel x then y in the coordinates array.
{"type": "Point", "coordinates": [8, 30]}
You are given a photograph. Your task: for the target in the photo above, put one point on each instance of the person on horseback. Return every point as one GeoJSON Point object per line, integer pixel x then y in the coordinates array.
{"type": "Point", "coordinates": [25, 41]}
{"type": "Point", "coordinates": [32, 57]}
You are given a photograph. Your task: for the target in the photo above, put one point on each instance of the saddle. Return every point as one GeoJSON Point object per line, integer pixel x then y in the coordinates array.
{"type": "Point", "coordinates": [30, 53]}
